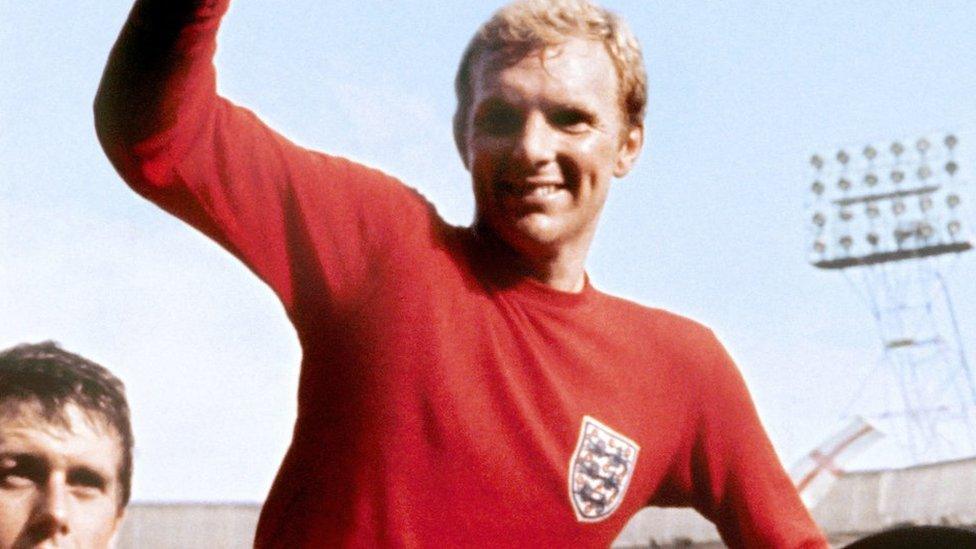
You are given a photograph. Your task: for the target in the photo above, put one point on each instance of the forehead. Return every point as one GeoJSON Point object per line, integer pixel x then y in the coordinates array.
{"type": "Point", "coordinates": [576, 70]}
{"type": "Point", "coordinates": [80, 439]}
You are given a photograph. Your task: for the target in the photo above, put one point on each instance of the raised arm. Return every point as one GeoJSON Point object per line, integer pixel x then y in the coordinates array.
{"type": "Point", "coordinates": [158, 86]}
{"type": "Point", "coordinates": [312, 226]}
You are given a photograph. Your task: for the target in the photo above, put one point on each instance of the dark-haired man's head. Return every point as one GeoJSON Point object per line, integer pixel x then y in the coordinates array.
{"type": "Point", "coordinates": [65, 449]}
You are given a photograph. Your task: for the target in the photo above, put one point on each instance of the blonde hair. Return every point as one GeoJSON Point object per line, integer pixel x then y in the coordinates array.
{"type": "Point", "coordinates": [524, 26]}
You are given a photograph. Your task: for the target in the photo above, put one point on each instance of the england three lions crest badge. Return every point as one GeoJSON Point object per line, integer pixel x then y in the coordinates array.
{"type": "Point", "coordinates": [600, 471]}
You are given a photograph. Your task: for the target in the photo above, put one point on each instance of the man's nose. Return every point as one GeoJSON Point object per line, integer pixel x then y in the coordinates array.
{"type": "Point", "coordinates": [538, 141]}
{"type": "Point", "coordinates": [50, 514]}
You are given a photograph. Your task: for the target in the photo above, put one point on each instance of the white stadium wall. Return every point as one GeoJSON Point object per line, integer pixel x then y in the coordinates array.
{"type": "Point", "coordinates": [858, 504]}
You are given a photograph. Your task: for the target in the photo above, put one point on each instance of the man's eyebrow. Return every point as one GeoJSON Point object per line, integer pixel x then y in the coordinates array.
{"type": "Point", "coordinates": [492, 102]}
{"type": "Point", "coordinates": [87, 476]}
{"type": "Point", "coordinates": [24, 462]}
{"type": "Point", "coordinates": [568, 106]}
{"type": "Point", "coordinates": [17, 454]}
{"type": "Point", "coordinates": [572, 104]}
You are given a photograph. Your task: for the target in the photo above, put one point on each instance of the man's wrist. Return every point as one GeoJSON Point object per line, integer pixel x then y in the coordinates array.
{"type": "Point", "coordinates": [163, 16]}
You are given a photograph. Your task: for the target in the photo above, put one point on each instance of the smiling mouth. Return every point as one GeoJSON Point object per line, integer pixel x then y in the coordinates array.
{"type": "Point", "coordinates": [532, 190]}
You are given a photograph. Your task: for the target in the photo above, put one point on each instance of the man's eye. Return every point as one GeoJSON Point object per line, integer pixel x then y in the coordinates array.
{"type": "Point", "coordinates": [571, 119]}
{"type": "Point", "coordinates": [86, 482]}
{"type": "Point", "coordinates": [15, 476]}
{"type": "Point", "coordinates": [499, 121]}
{"type": "Point", "coordinates": [86, 492]}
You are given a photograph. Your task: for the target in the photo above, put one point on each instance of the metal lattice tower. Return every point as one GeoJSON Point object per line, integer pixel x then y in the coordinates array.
{"type": "Point", "coordinates": [892, 219]}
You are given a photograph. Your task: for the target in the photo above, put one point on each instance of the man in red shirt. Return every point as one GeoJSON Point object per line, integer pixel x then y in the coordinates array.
{"type": "Point", "coordinates": [460, 386]}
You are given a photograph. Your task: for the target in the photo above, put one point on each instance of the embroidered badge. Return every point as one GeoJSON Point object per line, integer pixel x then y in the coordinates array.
{"type": "Point", "coordinates": [600, 470]}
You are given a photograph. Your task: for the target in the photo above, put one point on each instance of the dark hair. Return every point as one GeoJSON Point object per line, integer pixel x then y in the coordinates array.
{"type": "Point", "coordinates": [53, 378]}
{"type": "Point", "coordinates": [917, 537]}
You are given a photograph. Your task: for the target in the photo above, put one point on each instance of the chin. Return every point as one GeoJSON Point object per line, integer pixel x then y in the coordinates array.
{"type": "Point", "coordinates": [534, 236]}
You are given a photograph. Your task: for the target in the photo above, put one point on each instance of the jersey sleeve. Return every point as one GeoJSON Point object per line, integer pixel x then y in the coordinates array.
{"type": "Point", "coordinates": [312, 226]}
{"type": "Point", "coordinates": [729, 470]}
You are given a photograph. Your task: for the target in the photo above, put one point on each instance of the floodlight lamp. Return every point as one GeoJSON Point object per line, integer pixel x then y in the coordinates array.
{"type": "Point", "coordinates": [922, 145]}
{"type": "Point", "coordinates": [817, 188]}
{"type": "Point", "coordinates": [954, 227]}
{"type": "Point", "coordinates": [951, 167]}
{"type": "Point", "coordinates": [870, 152]}
{"type": "Point", "coordinates": [898, 207]}
{"type": "Point", "coordinates": [897, 176]}
{"type": "Point", "coordinates": [816, 161]}
{"type": "Point", "coordinates": [925, 231]}
{"type": "Point", "coordinates": [846, 215]}
{"type": "Point", "coordinates": [872, 210]}
{"type": "Point", "coordinates": [925, 203]}
{"type": "Point", "coordinates": [902, 235]}
{"type": "Point", "coordinates": [819, 219]}
{"type": "Point", "coordinates": [873, 239]}
{"type": "Point", "coordinates": [844, 184]}
{"type": "Point", "coordinates": [846, 242]}
{"type": "Point", "coordinates": [842, 156]}
{"type": "Point", "coordinates": [871, 180]}
{"type": "Point", "coordinates": [951, 141]}
{"type": "Point", "coordinates": [952, 200]}
{"type": "Point", "coordinates": [924, 172]}
{"type": "Point", "coordinates": [897, 148]}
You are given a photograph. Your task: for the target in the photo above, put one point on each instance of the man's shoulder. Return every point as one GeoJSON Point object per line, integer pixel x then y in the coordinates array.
{"type": "Point", "coordinates": [656, 316]}
{"type": "Point", "coordinates": [676, 330]}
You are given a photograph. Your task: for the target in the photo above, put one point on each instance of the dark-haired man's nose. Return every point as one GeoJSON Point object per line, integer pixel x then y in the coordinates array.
{"type": "Point", "coordinates": [49, 517]}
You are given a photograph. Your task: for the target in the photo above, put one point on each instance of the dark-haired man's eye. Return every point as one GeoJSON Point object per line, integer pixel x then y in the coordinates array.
{"type": "Point", "coordinates": [87, 479]}
{"type": "Point", "coordinates": [16, 473]}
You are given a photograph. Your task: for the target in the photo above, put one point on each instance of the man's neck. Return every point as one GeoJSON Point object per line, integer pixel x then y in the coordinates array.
{"type": "Point", "coordinates": [565, 274]}
{"type": "Point", "coordinates": [561, 268]}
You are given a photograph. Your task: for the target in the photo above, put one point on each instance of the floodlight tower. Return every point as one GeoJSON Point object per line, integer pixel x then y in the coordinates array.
{"type": "Point", "coordinates": [891, 218]}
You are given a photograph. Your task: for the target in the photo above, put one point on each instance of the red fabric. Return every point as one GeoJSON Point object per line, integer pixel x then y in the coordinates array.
{"type": "Point", "coordinates": [441, 397]}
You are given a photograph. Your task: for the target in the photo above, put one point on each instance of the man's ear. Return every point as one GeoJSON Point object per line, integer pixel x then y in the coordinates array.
{"type": "Point", "coordinates": [628, 151]}
{"type": "Point", "coordinates": [459, 139]}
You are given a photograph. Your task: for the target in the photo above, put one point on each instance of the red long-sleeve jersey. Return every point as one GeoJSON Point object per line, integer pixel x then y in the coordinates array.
{"type": "Point", "coordinates": [444, 399]}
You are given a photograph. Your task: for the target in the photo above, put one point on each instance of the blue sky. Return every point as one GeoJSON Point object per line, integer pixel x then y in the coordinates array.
{"type": "Point", "coordinates": [710, 224]}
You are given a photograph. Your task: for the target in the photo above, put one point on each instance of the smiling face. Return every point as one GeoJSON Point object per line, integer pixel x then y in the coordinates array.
{"type": "Point", "coordinates": [543, 138]}
{"type": "Point", "coordinates": [59, 484]}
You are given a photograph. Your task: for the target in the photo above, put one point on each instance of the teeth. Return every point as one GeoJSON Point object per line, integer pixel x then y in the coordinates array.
{"type": "Point", "coordinates": [533, 190]}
